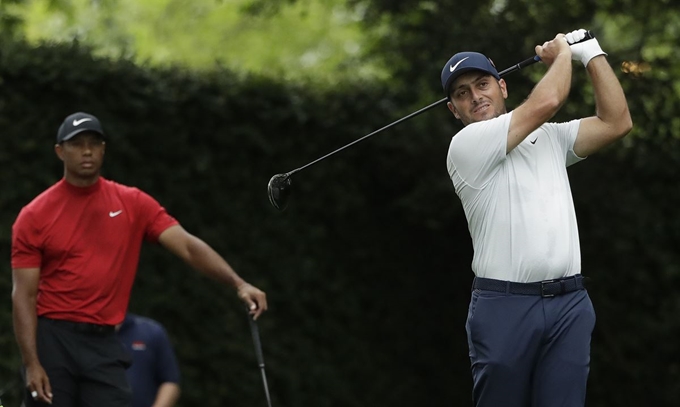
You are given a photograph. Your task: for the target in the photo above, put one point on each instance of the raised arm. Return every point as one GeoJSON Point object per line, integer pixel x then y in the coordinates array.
{"type": "Point", "coordinates": [547, 96]}
{"type": "Point", "coordinates": [25, 320]}
{"type": "Point", "coordinates": [196, 253]}
{"type": "Point", "coordinates": [612, 120]}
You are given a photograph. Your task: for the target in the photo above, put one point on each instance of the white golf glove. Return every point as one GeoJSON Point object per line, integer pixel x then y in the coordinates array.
{"type": "Point", "coordinates": [583, 51]}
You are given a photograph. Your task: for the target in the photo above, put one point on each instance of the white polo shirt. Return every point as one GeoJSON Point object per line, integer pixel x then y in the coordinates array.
{"type": "Point", "coordinates": [518, 205]}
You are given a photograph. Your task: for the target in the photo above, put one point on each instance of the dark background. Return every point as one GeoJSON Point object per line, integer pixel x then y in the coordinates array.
{"type": "Point", "coordinates": [368, 270]}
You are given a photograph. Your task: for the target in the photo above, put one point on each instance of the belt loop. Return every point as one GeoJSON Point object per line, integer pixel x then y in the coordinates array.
{"type": "Point", "coordinates": [507, 287]}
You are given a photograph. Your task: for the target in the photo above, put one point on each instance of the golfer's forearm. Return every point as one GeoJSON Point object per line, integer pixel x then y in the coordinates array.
{"type": "Point", "coordinates": [556, 83]}
{"type": "Point", "coordinates": [167, 396]}
{"type": "Point", "coordinates": [25, 322]}
{"type": "Point", "coordinates": [206, 260]}
{"type": "Point", "coordinates": [610, 100]}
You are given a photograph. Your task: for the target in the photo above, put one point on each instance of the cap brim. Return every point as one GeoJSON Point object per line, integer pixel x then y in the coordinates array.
{"type": "Point", "coordinates": [76, 132]}
{"type": "Point", "coordinates": [461, 71]}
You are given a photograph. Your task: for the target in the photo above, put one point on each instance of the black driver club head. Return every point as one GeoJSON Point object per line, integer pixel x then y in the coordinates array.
{"type": "Point", "coordinates": [278, 190]}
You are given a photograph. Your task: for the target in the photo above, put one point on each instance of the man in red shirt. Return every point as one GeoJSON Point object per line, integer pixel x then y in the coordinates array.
{"type": "Point", "coordinates": [75, 250]}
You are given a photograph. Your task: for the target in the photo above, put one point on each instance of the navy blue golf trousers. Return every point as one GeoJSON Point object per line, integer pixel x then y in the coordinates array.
{"type": "Point", "coordinates": [529, 350]}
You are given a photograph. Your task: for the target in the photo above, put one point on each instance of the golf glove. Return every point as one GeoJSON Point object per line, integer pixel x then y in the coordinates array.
{"type": "Point", "coordinates": [583, 51]}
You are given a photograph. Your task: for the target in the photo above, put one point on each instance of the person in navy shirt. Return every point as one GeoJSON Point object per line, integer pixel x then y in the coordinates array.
{"type": "Point", "coordinates": [154, 374]}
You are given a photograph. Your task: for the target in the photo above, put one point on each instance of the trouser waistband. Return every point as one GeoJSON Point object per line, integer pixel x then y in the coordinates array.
{"type": "Point", "coordinates": [546, 288]}
{"type": "Point", "coordinates": [83, 327]}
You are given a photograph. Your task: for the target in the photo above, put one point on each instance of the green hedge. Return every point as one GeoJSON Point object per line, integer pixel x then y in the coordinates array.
{"type": "Point", "coordinates": [367, 271]}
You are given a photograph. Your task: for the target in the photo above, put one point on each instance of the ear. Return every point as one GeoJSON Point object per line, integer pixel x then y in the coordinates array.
{"type": "Point", "coordinates": [453, 109]}
{"type": "Point", "coordinates": [60, 151]}
{"type": "Point", "coordinates": [103, 147]}
{"type": "Point", "coordinates": [504, 88]}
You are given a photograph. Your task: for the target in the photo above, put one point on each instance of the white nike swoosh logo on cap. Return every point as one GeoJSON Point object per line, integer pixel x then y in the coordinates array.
{"type": "Point", "coordinates": [78, 122]}
{"type": "Point", "coordinates": [453, 67]}
{"type": "Point", "coordinates": [116, 213]}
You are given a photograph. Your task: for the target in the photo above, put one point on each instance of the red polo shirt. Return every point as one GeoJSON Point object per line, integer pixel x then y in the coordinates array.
{"type": "Point", "coordinates": [86, 242]}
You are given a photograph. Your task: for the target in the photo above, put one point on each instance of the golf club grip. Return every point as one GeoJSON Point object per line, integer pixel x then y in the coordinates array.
{"type": "Point", "coordinates": [589, 36]}
{"type": "Point", "coordinates": [256, 341]}
{"type": "Point", "coordinates": [536, 58]}
{"type": "Point", "coordinates": [258, 355]}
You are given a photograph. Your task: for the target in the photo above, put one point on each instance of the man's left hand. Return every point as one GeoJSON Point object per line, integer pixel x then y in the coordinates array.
{"type": "Point", "coordinates": [255, 299]}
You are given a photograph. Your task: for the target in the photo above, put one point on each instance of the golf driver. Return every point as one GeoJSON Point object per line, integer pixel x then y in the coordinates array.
{"type": "Point", "coordinates": [258, 354]}
{"type": "Point", "coordinates": [279, 186]}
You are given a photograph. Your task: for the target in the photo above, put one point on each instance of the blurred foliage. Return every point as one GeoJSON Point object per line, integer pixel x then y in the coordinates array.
{"type": "Point", "coordinates": [283, 39]}
{"type": "Point", "coordinates": [10, 21]}
{"type": "Point", "coordinates": [421, 35]}
{"type": "Point", "coordinates": [367, 270]}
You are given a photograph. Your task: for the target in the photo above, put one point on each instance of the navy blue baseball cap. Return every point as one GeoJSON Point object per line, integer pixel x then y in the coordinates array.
{"type": "Point", "coordinates": [463, 62]}
{"type": "Point", "coordinates": [78, 123]}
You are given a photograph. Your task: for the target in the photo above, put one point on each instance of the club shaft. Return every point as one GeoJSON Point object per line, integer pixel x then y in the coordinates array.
{"type": "Point", "coordinates": [259, 356]}
{"type": "Point", "coordinates": [513, 68]}
{"type": "Point", "coordinates": [266, 388]}
{"type": "Point", "coordinates": [403, 119]}
{"type": "Point", "coordinates": [516, 67]}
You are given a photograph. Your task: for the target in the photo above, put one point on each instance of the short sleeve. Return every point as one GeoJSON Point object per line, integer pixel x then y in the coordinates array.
{"type": "Point", "coordinates": [154, 216]}
{"type": "Point", "coordinates": [565, 134]}
{"type": "Point", "coordinates": [26, 245]}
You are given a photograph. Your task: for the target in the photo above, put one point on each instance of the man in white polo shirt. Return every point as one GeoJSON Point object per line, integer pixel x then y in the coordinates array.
{"type": "Point", "coordinates": [530, 319]}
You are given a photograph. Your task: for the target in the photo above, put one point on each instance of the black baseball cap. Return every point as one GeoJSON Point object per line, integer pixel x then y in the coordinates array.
{"type": "Point", "coordinates": [463, 62]}
{"type": "Point", "coordinates": [78, 123]}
